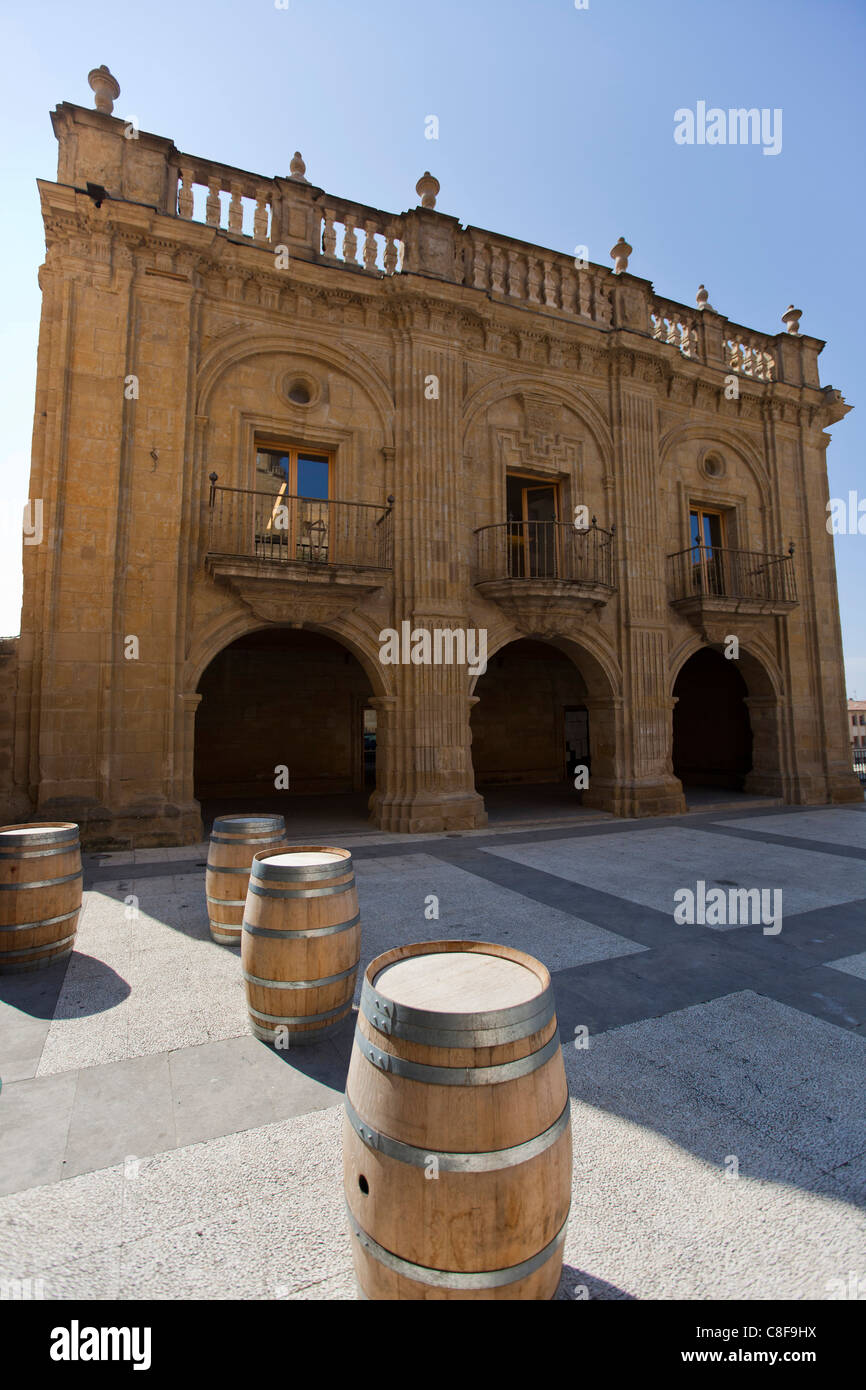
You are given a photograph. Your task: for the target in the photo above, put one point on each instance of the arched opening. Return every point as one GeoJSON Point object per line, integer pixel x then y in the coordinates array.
{"type": "Point", "coordinates": [535, 726]}
{"type": "Point", "coordinates": [285, 725]}
{"type": "Point", "coordinates": [712, 731]}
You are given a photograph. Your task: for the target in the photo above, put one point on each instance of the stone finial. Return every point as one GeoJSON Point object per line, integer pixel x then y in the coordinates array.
{"type": "Point", "coordinates": [792, 318]}
{"type": "Point", "coordinates": [297, 168]}
{"type": "Point", "coordinates": [427, 187]}
{"type": "Point", "coordinates": [106, 89]}
{"type": "Point", "coordinates": [620, 254]}
{"type": "Point", "coordinates": [703, 299]}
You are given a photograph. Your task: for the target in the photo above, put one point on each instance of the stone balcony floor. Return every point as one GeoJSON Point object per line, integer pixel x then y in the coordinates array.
{"type": "Point", "coordinates": [151, 1148]}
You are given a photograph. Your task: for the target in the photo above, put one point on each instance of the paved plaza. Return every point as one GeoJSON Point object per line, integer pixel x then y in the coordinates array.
{"type": "Point", "coordinates": [151, 1148]}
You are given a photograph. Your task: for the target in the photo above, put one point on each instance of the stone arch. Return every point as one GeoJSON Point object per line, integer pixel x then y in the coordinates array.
{"type": "Point", "coordinates": [760, 668]}
{"type": "Point", "coordinates": [764, 702]}
{"type": "Point", "coordinates": [356, 636]}
{"type": "Point", "coordinates": [237, 347]}
{"type": "Point", "coordinates": [721, 437]}
{"type": "Point", "coordinates": [272, 693]}
{"type": "Point", "coordinates": [595, 660]}
{"type": "Point", "coordinates": [600, 676]}
{"type": "Point", "coordinates": [569, 396]}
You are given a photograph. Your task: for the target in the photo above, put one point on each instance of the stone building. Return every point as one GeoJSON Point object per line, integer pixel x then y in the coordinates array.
{"type": "Point", "coordinates": [272, 424]}
{"type": "Point", "coordinates": [857, 726]}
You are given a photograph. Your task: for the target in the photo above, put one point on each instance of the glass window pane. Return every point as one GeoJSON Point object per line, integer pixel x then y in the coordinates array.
{"type": "Point", "coordinates": [312, 476]}
{"type": "Point", "coordinates": [272, 470]}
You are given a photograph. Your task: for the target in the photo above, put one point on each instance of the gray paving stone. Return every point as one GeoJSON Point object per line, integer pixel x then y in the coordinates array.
{"type": "Point", "coordinates": [661, 860]}
{"type": "Point", "coordinates": [235, 1084]}
{"type": "Point", "coordinates": [22, 1039]}
{"type": "Point", "coordinates": [119, 1109]}
{"type": "Point", "coordinates": [851, 965]}
{"type": "Point", "coordinates": [393, 893]}
{"type": "Point", "coordinates": [841, 824]}
{"type": "Point", "coordinates": [35, 1118]}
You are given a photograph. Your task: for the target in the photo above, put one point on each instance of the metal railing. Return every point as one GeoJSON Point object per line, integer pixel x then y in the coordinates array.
{"type": "Point", "coordinates": [545, 550]}
{"type": "Point", "coordinates": [718, 572]}
{"type": "Point", "coordinates": [277, 528]}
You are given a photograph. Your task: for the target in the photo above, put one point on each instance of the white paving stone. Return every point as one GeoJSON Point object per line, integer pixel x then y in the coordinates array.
{"type": "Point", "coordinates": [851, 965]}
{"type": "Point", "coordinates": [393, 893]}
{"type": "Point", "coordinates": [840, 825]}
{"type": "Point", "coordinates": [648, 866]}
{"type": "Point", "coordinates": [147, 978]}
{"type": "Point", "coordinates": [260, 1214]}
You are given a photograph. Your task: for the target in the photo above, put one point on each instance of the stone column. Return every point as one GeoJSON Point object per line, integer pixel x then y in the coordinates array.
{"type": "Point", "coordinates": [648, 786]}
{"type": "Point", "coordinates": [766, 778]}
{"type": "Point", "coordinates": [429, 724]}
{"type": "Point", "coordinates": [189, 808]}
{"type": "Point", "coordinates": [604, 792]}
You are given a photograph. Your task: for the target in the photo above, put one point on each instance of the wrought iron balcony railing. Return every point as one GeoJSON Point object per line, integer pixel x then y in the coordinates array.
{"type": "Point", "coordinates": [539, 550]}
{"type": "Point", "coordinates": [277, 528]}
{"type": "Point", "coordinates": [716, 572]}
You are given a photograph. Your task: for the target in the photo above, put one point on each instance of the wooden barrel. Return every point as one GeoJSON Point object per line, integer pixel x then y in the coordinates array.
{"type": "Point", "coordinates": [301, 943]}
{"type": "Point", "coordinates": [40, 893]}
{"type": "Point", "coordinates": [456, 1134]}
{"type": "Point", "coordinates": [233, 842]}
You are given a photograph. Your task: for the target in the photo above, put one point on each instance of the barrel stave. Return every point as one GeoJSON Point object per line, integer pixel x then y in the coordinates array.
{"type": "Point", "coordinates": [301, 928]}
{"type": "Point", "coordinates": [234, 842]}
{"type": "Point", "coordinates": [459, 1221]}
{"type": "Point", "coordinates": [40, 894]}
{"type": "Point", "coordinates": [457, 1158]}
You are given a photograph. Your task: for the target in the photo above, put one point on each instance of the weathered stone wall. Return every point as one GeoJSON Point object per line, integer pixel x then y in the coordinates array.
{"type": "Point", "coordinates": [518, 731]}
{"type": "Point", "coordinates": [280, 699]}
{"type": "Point", "coordinates": [168, 347]}
{"type": "Point", "coordinates": [9, 654]}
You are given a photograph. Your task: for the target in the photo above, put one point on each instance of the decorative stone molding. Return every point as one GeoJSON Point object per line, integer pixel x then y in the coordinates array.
{"type": "Point", "coordinates": [106, 88]}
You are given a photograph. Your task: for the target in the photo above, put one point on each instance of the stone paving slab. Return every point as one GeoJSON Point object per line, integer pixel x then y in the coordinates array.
{"type": "Point", "coordinates": [159, 1151]}
{"type": "Point", "coordinates": [156, 982]}
{"type": "Point", "coordinates": [259, 1214]}
{"type": "Point", "coordinates": [830, 823]}
{"type": "Point", "coordinates": [851, 965]}
{"type": "Point", "coordinates": [35, 1124]}
{"type": "Point", "coordinates": [659, 862]}
{"type": "Point", "coordinates": [393, 894]}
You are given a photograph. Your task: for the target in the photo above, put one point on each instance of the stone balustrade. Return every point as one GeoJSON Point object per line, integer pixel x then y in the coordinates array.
{"type": "Point", "coordinates": [749, 353]}
{"type": "Point", "coordinates": [534, 276]}
{"type": "Point", "coordinates": [314, 226]}
{"type": "Point", "coordinates": [704, 336]}
{"type": "Point", "coordinates": [674, 323]}
{"type": "Point", "coordinates": [228, 198]}
{"type": "Point", "coordinates": [359, 236]}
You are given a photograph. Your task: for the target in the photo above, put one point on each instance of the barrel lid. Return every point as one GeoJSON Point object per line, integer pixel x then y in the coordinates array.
{"type": "Point", "coordinates": [302, 863]}
{"type": "Point", "coordinates": [457, 993]}
{"type": "Point", "coordinates": [305, 858]}
{"type": "Point", "coordinates": [249, 822]}
{"type": "Point", "coordinates": [40, 830]}
{"type": "Point", "coordinates": [458, 982]}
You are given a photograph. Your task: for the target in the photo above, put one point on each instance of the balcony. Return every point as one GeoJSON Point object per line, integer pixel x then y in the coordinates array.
{"type": "Point", "coordinates": [713, 582]}
{"type": "Point", "coordinates": [540, 571]}
{"type": "Point", "coordinates": [332, 553]}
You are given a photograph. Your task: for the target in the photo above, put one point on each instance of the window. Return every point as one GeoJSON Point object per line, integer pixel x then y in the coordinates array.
{"type": "Point", "coordinates": [707, 539]}
{"type": "Point", "coordinates": [533, 511]}
{"type": "Point", "coordinates": [292, 515]}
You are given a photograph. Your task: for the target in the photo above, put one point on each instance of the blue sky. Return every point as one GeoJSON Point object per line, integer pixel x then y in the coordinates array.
{"type": "Point", "coordinates": [555, 126]}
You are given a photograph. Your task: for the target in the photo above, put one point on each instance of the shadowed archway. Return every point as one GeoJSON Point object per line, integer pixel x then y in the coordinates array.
{"type": "Point", "coordinates": [285, 724]}
{"type": "Point", "coordinates": [712, 734]}
{"type": "Point", "coordinates": [542, 732]}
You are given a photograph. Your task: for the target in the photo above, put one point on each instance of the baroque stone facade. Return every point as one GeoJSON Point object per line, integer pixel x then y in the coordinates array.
{"type": "Point", "coordinates": [515, 443]}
